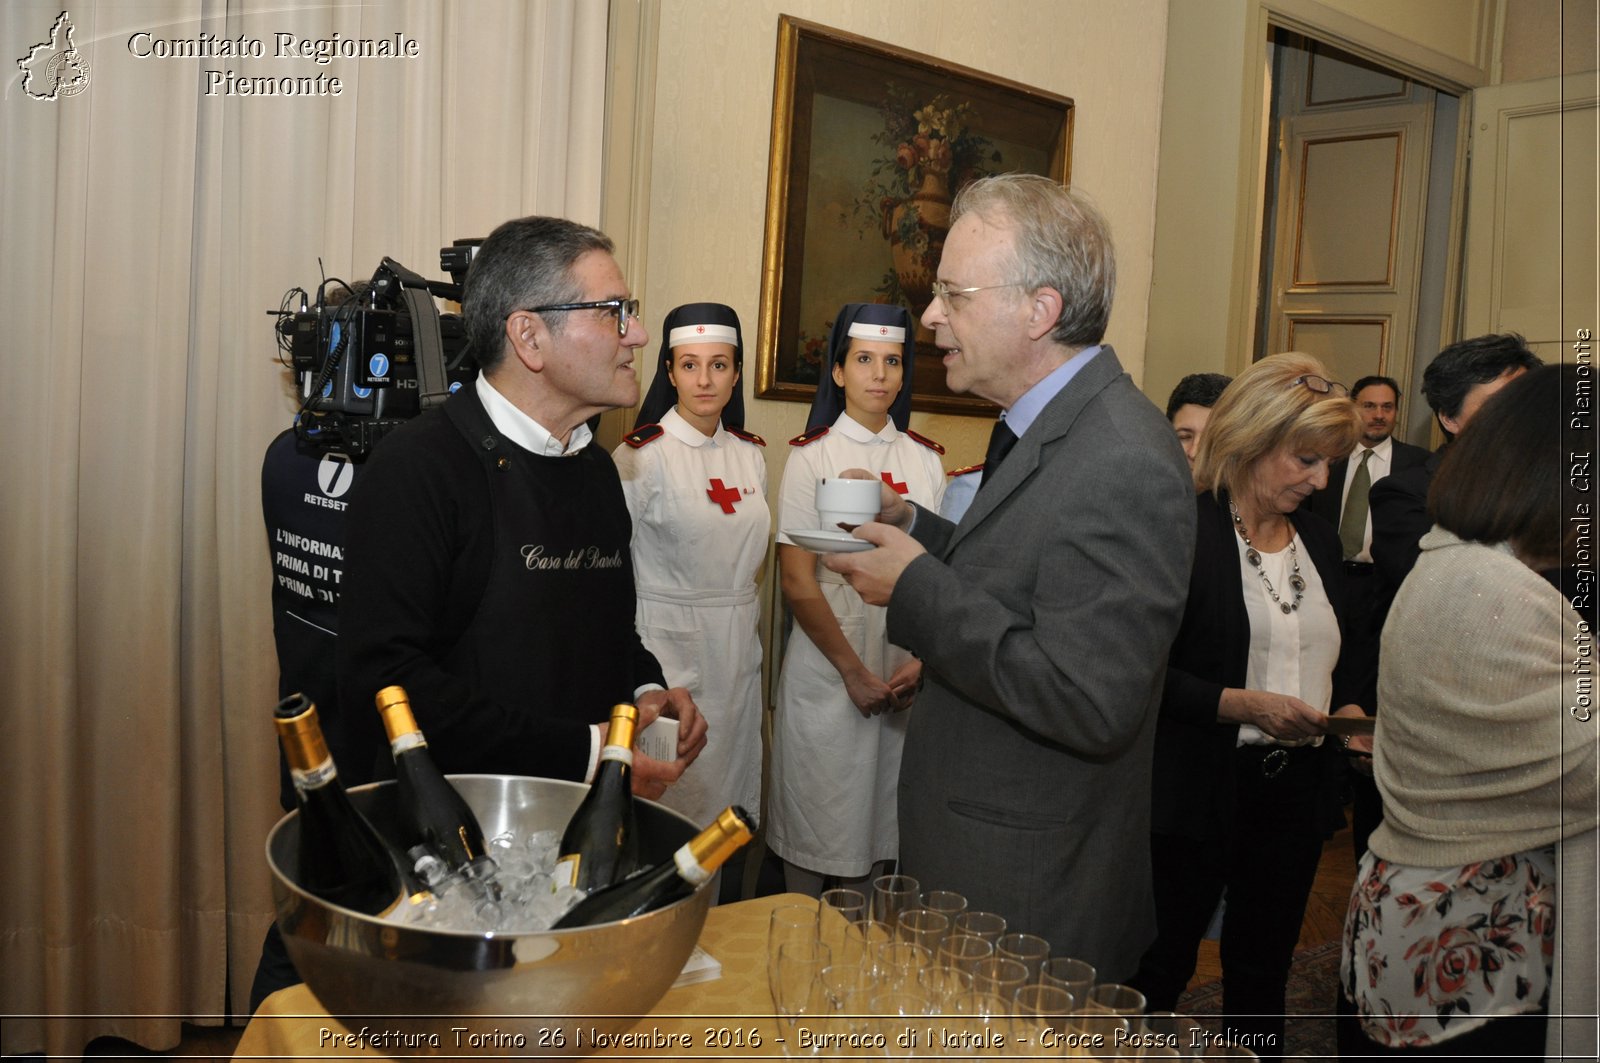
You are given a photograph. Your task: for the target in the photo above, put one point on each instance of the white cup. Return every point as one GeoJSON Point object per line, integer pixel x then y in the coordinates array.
{"type": "Point", "coordinates": [849, 502]}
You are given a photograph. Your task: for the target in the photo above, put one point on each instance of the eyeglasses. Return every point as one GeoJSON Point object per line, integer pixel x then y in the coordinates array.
{"type": "Point", "coordinates": [1321, 386]}
{"type": "Point", "coordinates": [943, 291]}
{"type": "Point", "coordinates": [625, 309]}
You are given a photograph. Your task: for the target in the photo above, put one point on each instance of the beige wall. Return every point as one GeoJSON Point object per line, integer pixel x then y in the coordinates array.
{"type": "Point", "coordinates": [1212, 150]}
{"type": "Point", "coordinates": [712, 117]}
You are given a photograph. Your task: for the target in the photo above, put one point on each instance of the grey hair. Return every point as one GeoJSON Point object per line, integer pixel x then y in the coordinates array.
{"type": "Point", "coordinates": [524, 262]}
{"type": "Point", "coordinates": [1061, 241]}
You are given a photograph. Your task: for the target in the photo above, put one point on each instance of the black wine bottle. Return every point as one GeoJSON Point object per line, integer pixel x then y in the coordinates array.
{"type": "Point", "coordinates": [601, 843]}
{"type": "Point", "coordinates": [658, 886]}
{"type": "Point", "coordinates": [433, 813]}
{"type": "Point", "coordinates": [342, 858]}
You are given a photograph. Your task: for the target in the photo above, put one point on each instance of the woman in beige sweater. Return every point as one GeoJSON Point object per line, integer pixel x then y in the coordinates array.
{"type": "Point", "coordinates": [1463, 934]}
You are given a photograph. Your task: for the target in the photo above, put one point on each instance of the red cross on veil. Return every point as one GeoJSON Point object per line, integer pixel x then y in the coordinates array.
{"type": "Point", "coordinates": [723, 496]}
{"type": "Point", "coordinates": [899, 488]}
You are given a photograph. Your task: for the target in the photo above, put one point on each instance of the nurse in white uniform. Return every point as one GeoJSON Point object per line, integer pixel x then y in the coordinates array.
{"type": "Point", "coordinates": [840, 713]}
{"type": "Point", "coordinates": [696, 485]}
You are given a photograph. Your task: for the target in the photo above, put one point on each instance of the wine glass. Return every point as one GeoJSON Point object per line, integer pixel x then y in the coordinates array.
{"type": "Point", "coordinates": [1039, 1019]}
{"type": "Point", "coordinates": [898, 962]}
{"type": "Point", "coordinates": [891, 894]}
{"type": "Point", "coordinates": [1116, 999]}
{"type": "Point", "coordinates": [945, 902]}
{"type": "Point", "coordinates": [795, 990]}
{"type": "Point", "coordinates": [896, 1012]}
{"type": "Point", "coordinates": [837, 910]}
{"type": "Point", "coordinates": [923, 927]}
{"type": "Point", "coordinates": [963, 951]}
{"type": "Point", "coordinates": [986, 925]}
{"type": "Point", "coordinates": [861, 940]}
{"type": "Point", "coordinates": [1075, 976]}
{"type": "Point", "coordinates": [999, 976]}
{"type": "Point", "coordinates": [1030, 950]}
{"type": "Point", "coordinates": [789, 923]}
{"type": "Point", "coordinates": [942, 985]}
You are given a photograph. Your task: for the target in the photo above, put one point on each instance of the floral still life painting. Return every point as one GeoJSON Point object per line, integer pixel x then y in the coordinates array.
{"type": "Point", "coordinates": [870, 146]}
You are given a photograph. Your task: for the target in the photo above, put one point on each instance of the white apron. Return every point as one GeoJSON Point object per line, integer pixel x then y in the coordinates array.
{"type": "Point", "coordinates": [831, 802]}
{"type": "Point", "coordinates": [700, 528]}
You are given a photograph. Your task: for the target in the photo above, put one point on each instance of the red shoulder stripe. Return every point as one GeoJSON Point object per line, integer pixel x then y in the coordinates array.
{"type": "Point", "coordinates": [969, 469]}
{"type": "Point", "coordinates": [937, 448]}
{"type": "Point", "coordinates": [748, 437]}
{"type": "Point", "coordinates": [643, 435]}
{"type": "Point", "coordinates": [809, 437]}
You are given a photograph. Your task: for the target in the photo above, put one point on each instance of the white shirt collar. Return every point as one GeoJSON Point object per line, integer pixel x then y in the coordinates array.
{"type": "Point", "coordinates": [679, 428]}
{"type": "Point", "coordinates": [523, 430]}
{"type": "Point", "coordinates": [851, 428]}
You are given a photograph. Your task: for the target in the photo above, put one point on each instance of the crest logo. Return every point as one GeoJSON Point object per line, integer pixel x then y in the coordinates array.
{"type": "Point", "coordinates": [55, 68]}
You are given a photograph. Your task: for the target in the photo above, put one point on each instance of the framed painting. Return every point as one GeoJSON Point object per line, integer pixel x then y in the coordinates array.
{"type": "Point", "coordinates": [869, 144]}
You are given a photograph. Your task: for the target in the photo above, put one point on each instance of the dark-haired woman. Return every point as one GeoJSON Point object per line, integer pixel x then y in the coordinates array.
{"type": "Point", "coordinates": [838, 729]}
{"type": "Point", "coordinates": [1473, 912]}
{"type": "Point", "coordinates": [696, 485]}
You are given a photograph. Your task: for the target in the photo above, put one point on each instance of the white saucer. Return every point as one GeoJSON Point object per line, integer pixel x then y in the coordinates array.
{"type": "Point", "coordinates": [829, 541]}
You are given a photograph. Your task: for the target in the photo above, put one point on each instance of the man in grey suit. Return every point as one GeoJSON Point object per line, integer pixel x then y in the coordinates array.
{"type": "Point", "coordinates": [1044, 617]}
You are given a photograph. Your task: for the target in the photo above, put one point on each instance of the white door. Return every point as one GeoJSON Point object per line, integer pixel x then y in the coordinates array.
{"type": "Point", "coordinates": [1355, 142]}
{"type": "Point", "coordinates": [1531, 220]}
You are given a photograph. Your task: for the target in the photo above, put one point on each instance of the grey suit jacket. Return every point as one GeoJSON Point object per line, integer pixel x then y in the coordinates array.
{"type": "Point", "coordinates": [1044, 619]}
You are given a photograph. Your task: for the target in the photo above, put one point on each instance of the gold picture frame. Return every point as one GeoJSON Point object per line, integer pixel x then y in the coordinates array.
{"type": "Point", "coordinates": [869, 142]}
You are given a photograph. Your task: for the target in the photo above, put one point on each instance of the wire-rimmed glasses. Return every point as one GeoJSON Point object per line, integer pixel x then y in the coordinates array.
{"type": "Point", "coordinates": [1321, 385]}
{"type": "Point", "coordinates": [943, 292]}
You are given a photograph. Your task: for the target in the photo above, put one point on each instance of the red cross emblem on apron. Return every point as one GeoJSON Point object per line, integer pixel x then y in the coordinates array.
{"type": "Point", "coordinates": [723, 496]}
{"type": "Point", "coordinates": [898, 488]}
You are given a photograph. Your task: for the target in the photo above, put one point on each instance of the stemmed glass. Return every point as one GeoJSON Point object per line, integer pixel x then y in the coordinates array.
{"type": "Point", "coordinates": [838, 909]}
{"type": "Point", "coordinates": [963, 951]}
{"type": "Point", "coordinates": [796, 992]}
{"type": "Point", "coordinates": [1064, 972]}
{"type": "Point", "coordinates": [1039, 1020]}
{"type": "Point", "coordinates": [789, 924]}
{"type": "Point", "coordinates": [999, 976]}
{"type": "Point", "coordinates": [1030, 950]}
{"type": "Point", "coordinates": [1116, 999]}
{"type": "Point", "coordinates": [986, 925]}
{"type": "Point", "coordinates": [945, 902]}
{"type": "Point", "coordinates": [923, 927]}
{"type": "Point", "coordinates": [892, 894]}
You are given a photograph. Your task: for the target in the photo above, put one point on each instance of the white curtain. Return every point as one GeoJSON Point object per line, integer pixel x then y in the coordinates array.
{"type": "Point", "coordinates": [145, 227]}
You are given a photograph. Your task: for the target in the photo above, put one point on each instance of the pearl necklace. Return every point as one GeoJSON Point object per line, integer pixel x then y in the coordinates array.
{"type": "Point", "coordinates": [1252, 555]}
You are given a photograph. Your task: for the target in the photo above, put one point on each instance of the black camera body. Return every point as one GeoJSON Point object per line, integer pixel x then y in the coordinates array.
{"type": "Point", "coordinates": [370, 357]}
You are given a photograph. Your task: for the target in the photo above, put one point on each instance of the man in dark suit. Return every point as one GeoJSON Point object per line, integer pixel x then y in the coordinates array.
{"type": "Point", "coordinates": [1456, 384]}
{"type": "Point", "coordinates": [1345, 503]}
{"type": "Point", "coordinates": [1044, 617]}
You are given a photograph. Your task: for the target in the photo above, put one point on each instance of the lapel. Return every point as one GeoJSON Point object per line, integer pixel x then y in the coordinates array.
{"type": "Point", "coordinates": [1055, 421]}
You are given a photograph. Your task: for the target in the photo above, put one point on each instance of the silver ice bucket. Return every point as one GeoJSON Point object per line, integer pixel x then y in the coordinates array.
{"type": "Point", "coordinates": [419, 991]}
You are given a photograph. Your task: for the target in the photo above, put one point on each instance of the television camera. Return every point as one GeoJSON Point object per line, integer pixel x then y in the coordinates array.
{"type": "Point", "coordinates": [371, 356]}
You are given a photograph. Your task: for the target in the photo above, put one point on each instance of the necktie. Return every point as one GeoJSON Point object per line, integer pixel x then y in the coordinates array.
{"type": "Point", "coordinates": [1001, 440]}
{"type": "Point", "coordinates": [1353, 521]}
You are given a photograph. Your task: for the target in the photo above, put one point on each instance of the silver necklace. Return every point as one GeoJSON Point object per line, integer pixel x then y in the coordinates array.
{"type": "Point", "coordinates": [1252, 555]}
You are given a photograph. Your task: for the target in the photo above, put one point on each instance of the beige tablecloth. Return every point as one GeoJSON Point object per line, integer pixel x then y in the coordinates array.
{"type": "Point", "coordinates": [728, 1017]}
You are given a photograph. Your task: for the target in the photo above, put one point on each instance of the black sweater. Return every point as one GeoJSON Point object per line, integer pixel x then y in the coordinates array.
{"type": "Point", "coordinates": [496, 586]}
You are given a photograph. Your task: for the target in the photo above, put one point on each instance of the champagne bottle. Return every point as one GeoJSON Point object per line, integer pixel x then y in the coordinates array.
{"type": "Point", "coordinates": [342, 858]}
{"type": "Point", "coordinates": [601, 843]}
{"type": "Point", "coordinates": [656, 887]}
{"type": "Point", "coordinates": [433, 815]}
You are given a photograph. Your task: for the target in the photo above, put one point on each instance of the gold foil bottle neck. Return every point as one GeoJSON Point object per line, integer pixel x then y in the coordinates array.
{"type": "Point", "coordinates": [624, 724]}
{"type": "Point", "coordinates": [712, 846]}
{"type": "Point", "coordinates": [300, 732]}
{"type": "Point", "coordinates": [395, 708]}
